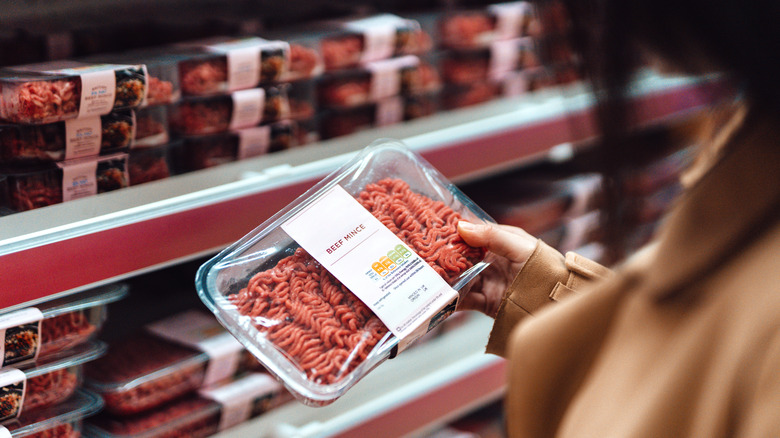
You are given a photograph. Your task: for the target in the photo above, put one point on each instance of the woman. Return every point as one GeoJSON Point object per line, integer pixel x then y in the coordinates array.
{"type": "Point", "coordinates": [683, 338]}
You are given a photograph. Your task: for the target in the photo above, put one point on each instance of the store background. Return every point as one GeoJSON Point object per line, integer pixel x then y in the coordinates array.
{"type": "Point", "coordinates": [523, 158]}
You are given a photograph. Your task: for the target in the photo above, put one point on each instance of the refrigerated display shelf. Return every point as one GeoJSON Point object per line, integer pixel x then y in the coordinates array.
{"type": "Point", "coordinates": [69, 247]}
{"type": "Point", "coordinates": [419, 391]}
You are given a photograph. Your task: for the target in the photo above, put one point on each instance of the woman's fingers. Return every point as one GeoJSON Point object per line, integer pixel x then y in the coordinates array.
{"type": "Point", "coordinates": [511, 242]}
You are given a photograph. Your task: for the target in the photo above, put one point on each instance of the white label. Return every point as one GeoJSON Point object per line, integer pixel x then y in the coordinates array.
{"type": "Point", "coordinates": [238, 397]}
{"type": "Point", "coordinates": [509, 18]}
{"type": "Point", "coordinates": [21, 334]}
{"type": "Point", "coordinates": [4, 433]}
{"type": "Point", "coordinates": [79, 179]}
{"type": "Point", "coordinates": [372, 262]}
{"type": "Point", "coordinates": [83, 137]}
{"type": "Point", "coordinates": [379, 33]}
{"type": "Point", "coordinates": [386, 75]}
{"type": "Point", "coordinates": [12, 383]}
{"type": "Point", "coordinates": [248, 108]}
{"type": "Point", "coordinates": [201, 331]}
{"type": "Point", "coordinates": [389, 111]}
{"type": "Point", "coordinates": [253, 141]}
{"type": "Point", "coordinates": [243, 68]}
{"type": "Point", "coordinates": [98, 91]}
{"type": "Point", "coordinates": [504, 57]}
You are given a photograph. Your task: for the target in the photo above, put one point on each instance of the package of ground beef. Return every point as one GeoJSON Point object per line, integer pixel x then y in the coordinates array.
{"type": "Point", "coordinates": [44, 184]}
{"type": "Point", "coordinates": [46, 383]}
{"type": "Point", "coordinates": [63, 420]}
{"type": "Point", "coordinates": [63, 90]}
{"type": "Point", "coordinates": [348, 275]}
{"type": "Point", "coordinates": [38, 331]}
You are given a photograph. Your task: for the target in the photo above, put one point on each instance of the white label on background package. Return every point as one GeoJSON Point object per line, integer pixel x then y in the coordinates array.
{"type": "Point", "coordinates": [203, 332]}
{"type": "Point", "coordinates": [504, 58]}
{"type": "Point", "coordinates": [386, 75]}
{"type": "Point", "coordinates": [12, 389]}
{"type": "Point", "coordinates": [79, 179]}
{"type": "Point", "coordinates": [379, 33]}
{"type": "Point", "coordinates": [243, 68]}
{"type": "Point", "coordinates": [21, 331]}
{"type": "Point", "coordinates": [253, 141]}
{"type": "Point", "coordinates": [372, 262]}
{"type": "Point", "coordinates": [238, 398]}
{"type": "Point", "coordinates": [83, 137]}
{"type": "Point", "coordinates": [248, 108]}
{"type": "Point", "coordinates": [509, 18]}
{"type": "Point", "coordinates": [389, 111]}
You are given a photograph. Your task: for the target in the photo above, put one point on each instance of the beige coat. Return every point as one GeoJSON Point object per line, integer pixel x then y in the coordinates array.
{"type": "Point", "coordinates": [683, 340]}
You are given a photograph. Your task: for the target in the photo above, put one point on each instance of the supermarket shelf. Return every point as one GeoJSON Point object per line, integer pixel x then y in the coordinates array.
{"type": "Point", "coordinates": [419, 391]}
{"type": "Point", "coordinates": [68, 247]}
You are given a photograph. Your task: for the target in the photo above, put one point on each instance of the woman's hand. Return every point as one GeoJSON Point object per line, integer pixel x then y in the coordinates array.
{"type": "Point", "coordinates": [509, 248]}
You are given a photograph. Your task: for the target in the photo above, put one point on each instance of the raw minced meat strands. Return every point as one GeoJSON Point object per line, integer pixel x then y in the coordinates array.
{"type": "Point", "coordinates": [314, 320]}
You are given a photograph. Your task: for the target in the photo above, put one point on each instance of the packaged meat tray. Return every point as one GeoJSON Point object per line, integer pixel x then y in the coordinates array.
{"type": "Point", "coordinates": [375, 81]}
{"type": "Point", "coordinates": [162, 72]}
{"type": "Point", "coordinates": [251, 60]}
{"type": "Point", "coordinates": [150, 163]}
{"type": "Point", "coordinates": [151, 126]}
{"type": "Point", "coordinates": [336, 122]}
{"type": "Point", "coordinates": [62, 90]}
{"type": "Point", "coordinates": [36, 332]}
{"type": "Point", "coordinates": [240, 109]}
{"type": "Point", "coordinates": [63, 420]}
{"type": "Point", "coordinates": [302, 98]}
{"type": "Point", "coordinates": [422, 105]}
{"type": "Point", "coordinates": [307, 299]}
{"type": "Point", "coordinates": [32, 187]}
{"type": "Point", "coordinates": [306, 131]}
{"type": "Point", "coordinates": [493, 62]}
{"type": "Point", "coordinates": [455, 96]}
{"type": "Point", "coordinates": [46, 383]}
{"type": "Point", "coordinates": [479, 27]}
{"type": "Point", "coordinates": [198, 415]}
{"type": "Point", "coordinates": [201, 152]}
{"type": "Point", "coordinates": [67, 140]}
{"type": "Point", "coordinates": [167, 359]}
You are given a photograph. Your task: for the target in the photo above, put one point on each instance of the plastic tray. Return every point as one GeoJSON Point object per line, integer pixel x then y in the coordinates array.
{"type": "Point", "coordinates": [251, 60]}
{"type": "Point", "coordinates": [151, 126]}
{"type": "Point", "coordinates": [339, 121]}
{"type": "Point", "coordinates": [52, 92]}
{"type": "Point", "coordinates": [196, 415]}
{"type": "Point", "coordinates": [267, 251]}
{"type": "Point", "coordinates": [59, 141]}
{"type": "Point", "coordinates": [201, 152]}
{"type": "Point", "coordinates": [493, 62]}
{"type": "Point", "coordinates": [240, 109]}
{"type": "Point", "coordinates": [470, 28]}
{"type": "Point", "coordinates": [33, 187]}
{"type": "Point", "coordinates": [150, 163]}
{"type": "Point", "coordinates": [63, 420]}
{"type": "Point", "coordinates": [75, 319]}
{"type": "Point", "coordinates": [162, 72]}
{"type": "Point", "coordinates": [48, 382]}
{"type": "Point", "coordinates": [374, 81]}
{"type": "Point", "coordinates": [142, 371]}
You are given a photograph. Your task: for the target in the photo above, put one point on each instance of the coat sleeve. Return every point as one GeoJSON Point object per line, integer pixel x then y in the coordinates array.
{"type": "Point", "coordinates": [546, 277]}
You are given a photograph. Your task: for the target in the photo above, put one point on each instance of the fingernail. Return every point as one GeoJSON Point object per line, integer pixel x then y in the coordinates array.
{"type": "Point", "coordinates": [466, 226]}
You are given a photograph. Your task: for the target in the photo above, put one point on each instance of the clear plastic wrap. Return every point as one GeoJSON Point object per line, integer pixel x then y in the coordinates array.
{"type": "Point", "coordinates": [493, 62]}
{"type": "Point", "coordinates": [59, 141]}
{"type": "Point", "coordinates": [63, 420]}
{"type": "Point", "coordinates": [338, 121]}
{"type": "Point", "coordinates": [56, 91]}
{"type": "Point", "coordinates": [301, 322]}
{"type": "Point", "coordinates": [38, 186]}
{"type": "Point", "coordinates": [46, 383]}
{"type": "Point", "coordinates": [151, 126]}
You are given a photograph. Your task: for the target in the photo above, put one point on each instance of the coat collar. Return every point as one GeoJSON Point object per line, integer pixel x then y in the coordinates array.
{"type": "Point", "coordinates": [718, 215]}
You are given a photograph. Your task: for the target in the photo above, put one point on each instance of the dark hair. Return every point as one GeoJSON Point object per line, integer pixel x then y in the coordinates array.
{"type": "Point", "coordinates": [740, 40]}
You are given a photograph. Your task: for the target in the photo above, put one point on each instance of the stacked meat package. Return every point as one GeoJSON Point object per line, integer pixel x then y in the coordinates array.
{"type": "Point", "coordinates": [183, 375]}
{"type": "Point", "coordinates": [44, 352]}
